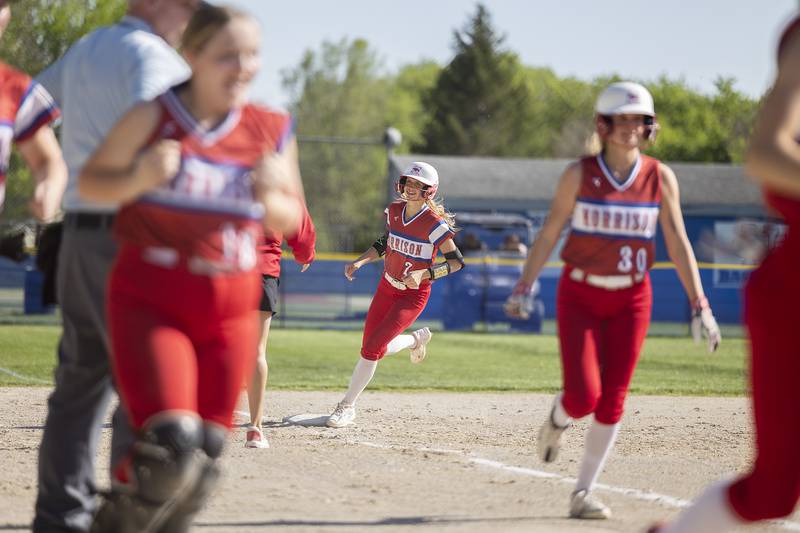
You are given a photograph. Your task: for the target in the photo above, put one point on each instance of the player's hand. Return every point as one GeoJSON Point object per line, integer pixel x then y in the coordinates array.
{"type": "Point", "coordinates": [414, 278]}
{"type": "Point", "coordinates": [705, 325]}
{"type": "Point", "coordinates": [305, 267]}
{"type": "Point", "coordinates": [349, 270]}
{"type": "Point", "coordinates": [159, 163]}
{"type": "Point", "coordinates": [518, 305]}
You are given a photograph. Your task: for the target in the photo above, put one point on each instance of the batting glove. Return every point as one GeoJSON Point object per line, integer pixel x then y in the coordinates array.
{"type": "Point", "coordinates": [704, 324]}
{"type": "Point", "coordinates": [520, 304]}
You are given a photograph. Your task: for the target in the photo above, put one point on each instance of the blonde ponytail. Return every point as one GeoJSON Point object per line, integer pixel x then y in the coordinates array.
{"type": "Point", "coordinates": [593, 145]}
{"type": "Point", "coordinates": [438, 208]}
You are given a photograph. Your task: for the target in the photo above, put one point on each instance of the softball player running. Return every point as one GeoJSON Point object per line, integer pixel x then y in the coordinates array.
{"type": "Point", "coordinates": [614, 201]}
{"type": "Point", "coordinates": [417, 227]}
{"type": "Point", "coordinates": [197, 171]}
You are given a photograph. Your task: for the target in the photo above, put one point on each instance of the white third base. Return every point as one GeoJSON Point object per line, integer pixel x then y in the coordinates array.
{"type": "Point", "coordinates": [307, 419]}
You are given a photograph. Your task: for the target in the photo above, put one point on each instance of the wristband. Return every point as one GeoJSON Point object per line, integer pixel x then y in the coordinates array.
{"type": "Point", "coordinates": [439, 271]}
{"type": "Point", "coordinates": [700, 304]}
{"type": "Point", "coordinates": [522, 288]}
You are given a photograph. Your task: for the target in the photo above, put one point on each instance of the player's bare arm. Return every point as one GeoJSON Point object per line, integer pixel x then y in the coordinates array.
{"type": "Point", "coordinates": [119, 170]}
{"type": "Point", "coordinates": [373, 253]}
{"type": "Point", "coordinates": [43, 156]}
{"type": "Point", "coordinates": [773, 158]}
{"type": "Point", "coordinates": [680, 251]}
{"type": "Point", "coordinates": [675, 238]}
{"type": "Point", "coordinates": [560, 211]}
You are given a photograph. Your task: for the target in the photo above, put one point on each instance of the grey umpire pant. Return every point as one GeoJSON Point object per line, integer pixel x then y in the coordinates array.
{"type": "Point", "coordinates": [83, 382]}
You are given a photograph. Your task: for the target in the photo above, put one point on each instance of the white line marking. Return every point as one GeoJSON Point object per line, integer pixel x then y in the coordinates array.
{"type": "Point", "coordinates": [24, 378]}
{"type": "Point", "coordinates": [647, 496]}
{"type": "Point", "coordinates": [406, 448]}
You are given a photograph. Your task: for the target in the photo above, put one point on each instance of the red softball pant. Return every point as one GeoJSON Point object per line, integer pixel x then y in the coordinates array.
{"type": "Point", "coordinates": [601, 333]}
{"type": "Point", "coordinates": [772, 488]}
{"type": "Point", "coordinates": [391, 312]}
{"type": "Point", "coordinates": [180, 341]}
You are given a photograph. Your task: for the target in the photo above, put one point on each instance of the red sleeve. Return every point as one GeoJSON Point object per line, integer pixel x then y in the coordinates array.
{"type": "Point", "coordinates": [269, 254]}
{"type": "Point", "coordinates": [303, 243]}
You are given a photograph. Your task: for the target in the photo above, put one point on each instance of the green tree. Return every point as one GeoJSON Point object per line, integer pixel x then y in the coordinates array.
{"type": "Point", "coordinates": [39, 33]}
{"type": "Point", "coordinates": [338, 92]}
{"type": "Point", "coordinates": [698, 127]}
{"type": "Point", "coordinates": [42, 30]}
{"type": "Point", "coordinates": [405, 106]}
{"type": "Point", "coordinates": [477, 106]}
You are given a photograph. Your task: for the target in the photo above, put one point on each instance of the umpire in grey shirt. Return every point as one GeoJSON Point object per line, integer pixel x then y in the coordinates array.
{"type": "Point", "coordinates": [96, 81]}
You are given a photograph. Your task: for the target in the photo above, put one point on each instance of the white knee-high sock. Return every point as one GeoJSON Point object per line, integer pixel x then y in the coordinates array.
{"type": "Point", "coordinates": [401, 342]}
{"type": "Point", "coordinates": [362, 375]}
{"type": "Point", "coordinates": [599, 441]}
{"type": "Point", "coordinates": [710, 513]}
{"type": "Point", "coordinates": [560, 416]}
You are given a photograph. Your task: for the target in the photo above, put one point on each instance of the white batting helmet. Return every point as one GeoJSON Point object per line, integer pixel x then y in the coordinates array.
{"type": "Point", "coordinates": [423, 173]}
{"type": "Point", "coordinates": [625, 97]}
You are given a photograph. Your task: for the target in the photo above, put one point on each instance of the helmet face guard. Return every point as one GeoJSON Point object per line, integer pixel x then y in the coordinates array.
{"type": "Point", "coordinates": [426, 192]}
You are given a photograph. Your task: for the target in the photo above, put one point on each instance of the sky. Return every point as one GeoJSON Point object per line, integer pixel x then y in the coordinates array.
{"type": "Point", "coordinates": [691, 40]}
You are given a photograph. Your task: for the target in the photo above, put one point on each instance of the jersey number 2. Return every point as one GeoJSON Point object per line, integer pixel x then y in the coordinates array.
{"type": "Point", "coordinates": [407, 268]}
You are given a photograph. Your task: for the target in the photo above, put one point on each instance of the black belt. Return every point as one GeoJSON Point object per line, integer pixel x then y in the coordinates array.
{"type": "Point", "coordinates": [89, 220]}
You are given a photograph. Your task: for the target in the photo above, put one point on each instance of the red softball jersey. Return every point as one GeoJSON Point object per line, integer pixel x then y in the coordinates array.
{"type": "Point", "coordinates": [413, 241]}
{"type": "Point", "coordinates": [207, 210]}
{"type": "Point", "coordinates": [25, 106]}
{"type": "Point", "coordinates": [614, 222]}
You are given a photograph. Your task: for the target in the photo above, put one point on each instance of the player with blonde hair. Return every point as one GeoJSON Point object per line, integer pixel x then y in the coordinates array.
{"type": "Point", "coordinates": [199, 171]}
{"type": "Point", "coordinates": [417, 228]}
{"type": "Point", "coordinates": [614, 201]}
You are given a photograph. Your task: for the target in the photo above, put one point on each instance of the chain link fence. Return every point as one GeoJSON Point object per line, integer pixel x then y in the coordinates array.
{"type": "Point", "coordinates": [346, 189]}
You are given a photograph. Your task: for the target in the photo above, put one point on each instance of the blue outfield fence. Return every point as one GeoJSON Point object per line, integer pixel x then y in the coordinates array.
{"type": "Point", "coordinates": [476, 294]}
{"type": "Point", "coordinates": [322, 295]}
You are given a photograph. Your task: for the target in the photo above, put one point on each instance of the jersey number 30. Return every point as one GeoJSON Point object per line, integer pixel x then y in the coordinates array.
{"type": "Point", "coordinates": [626, 259]}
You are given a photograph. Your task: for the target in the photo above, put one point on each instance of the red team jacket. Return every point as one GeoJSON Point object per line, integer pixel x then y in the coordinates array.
{"type": "Point", "coordinates": [413, 242]}
{"type": "Point", "coordinates": [614, 224]}
{"type": "Point", "coordinates": [207, 210]}
{"type": "Point", "coordinates": [302, 245]}
{"type": "Point", "coordinates": [25, 106]}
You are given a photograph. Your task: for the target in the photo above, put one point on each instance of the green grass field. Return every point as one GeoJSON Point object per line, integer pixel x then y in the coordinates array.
{"type": "Point", "coordinates": [302, 359]}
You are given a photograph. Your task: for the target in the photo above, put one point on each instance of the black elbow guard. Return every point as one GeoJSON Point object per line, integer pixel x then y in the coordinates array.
{"type": "Point", "coordinates": [457, 256]}
{"type": "Point", "coordinates": [380, 244]}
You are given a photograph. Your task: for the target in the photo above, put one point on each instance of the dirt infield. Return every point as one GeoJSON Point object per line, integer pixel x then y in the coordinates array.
{"type": "Point", "coordinates": [429, 462]}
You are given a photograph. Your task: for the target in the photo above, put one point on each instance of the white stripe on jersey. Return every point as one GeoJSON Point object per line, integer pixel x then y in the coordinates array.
{"type": "Point", "coordinates": [188, 122]}
{"type": "Point", "coordinates": [209, 186]}
{"type": "Point", "coordinates": [35, 102]}
{"type": "Point", "coordinates": [440, 230]}
{"type": "Point", "coordinates": [414, 249]}
{"type": "Point", "coordinates": [610, 176]}
{"type": "Point", "coordinates": [615, 220]}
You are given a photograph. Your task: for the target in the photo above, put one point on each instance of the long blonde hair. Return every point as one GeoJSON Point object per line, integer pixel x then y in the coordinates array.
{"type": "Point", "coordinates": [437, 206]}
{"type": "Point", "coordinates": [593, 145]}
